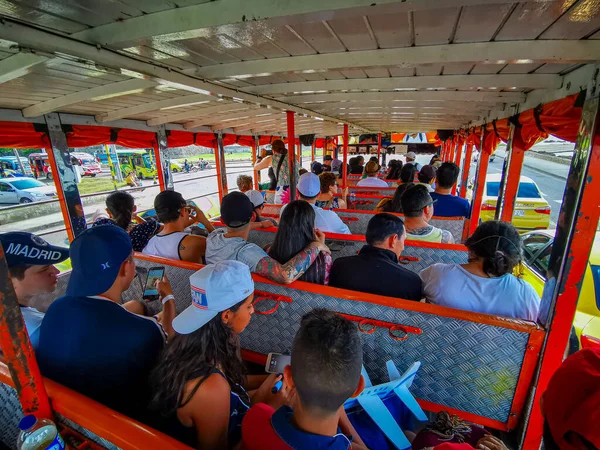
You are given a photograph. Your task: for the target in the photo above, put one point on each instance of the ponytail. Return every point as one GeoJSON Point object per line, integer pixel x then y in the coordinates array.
{"type": "Point", "coordinates": [120, 205]}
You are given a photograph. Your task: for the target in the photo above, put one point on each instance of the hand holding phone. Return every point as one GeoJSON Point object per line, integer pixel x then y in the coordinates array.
{"type": "Point", "coordinates": [276, 362]}
{"type": "Point", "coordinates": [155, 274]}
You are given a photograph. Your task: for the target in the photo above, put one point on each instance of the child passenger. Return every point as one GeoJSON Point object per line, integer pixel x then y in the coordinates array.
{"type": "Point", "coordinates": [325, 371]}
{"type": "Point", "coordinates": [200, 384]}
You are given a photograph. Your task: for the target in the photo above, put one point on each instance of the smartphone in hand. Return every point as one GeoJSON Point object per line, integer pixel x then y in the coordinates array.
{"type": "Point", "coordinates": [276, 362]}
{"type": "Point", "coordinates": [154, 274]}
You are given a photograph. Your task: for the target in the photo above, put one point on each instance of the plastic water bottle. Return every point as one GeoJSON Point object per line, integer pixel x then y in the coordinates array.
{"type": "Point", "coordinates": [39, 434]}
{"type": "Point", "coordinates": [352, 198]}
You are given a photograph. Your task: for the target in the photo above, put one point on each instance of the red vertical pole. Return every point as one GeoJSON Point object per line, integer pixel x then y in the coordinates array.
{"type": "Point", "coordinates": [345, 161]}
{"type": "Point", "coordinates": [220, 163]}
{"type": "Point", "coordinates": [517, 155]}
{"type": "Point", "coordinates": [568, 262]}
{"type": "Point", "coordinates": [17, 350]}
{"type": "Point", "coordinates": [484, 159]}
{"type": "Point", "coordinates": [291, 133]}
{"type": "Point", "coordinates": [254, 156]}
{"type": "Point", "coordinates": [452, 149]}
{"type": "Point", "coordinates": [465, 170]}
{"type": "Point", "coordinates": [159, 168]}
{"type": "Point", "coordinates": [61, 195]}
{"type": "Point", "coordinates": [378, 148]}
{"type": "Point", "coordinates": [459, 147]}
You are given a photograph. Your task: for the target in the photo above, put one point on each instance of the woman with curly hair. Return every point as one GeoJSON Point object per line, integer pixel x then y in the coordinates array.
{"type": "Point", "coordinates": [329, 188]}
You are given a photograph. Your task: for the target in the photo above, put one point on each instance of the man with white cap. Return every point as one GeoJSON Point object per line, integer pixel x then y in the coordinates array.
{"type": "Point", "coordinates": [309, 187]}
{"type": "Point", "coordinates": [231, 243]}
{"type": "Point", "coordinates": [88, 340]}
{"type": "Point", "coordinates": [31, 267]}
{"type": "Point", "coordinates": [411, 158]}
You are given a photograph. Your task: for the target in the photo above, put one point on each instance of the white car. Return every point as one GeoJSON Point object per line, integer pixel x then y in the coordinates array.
{"type": "Point", "coordinates": [24, 190]}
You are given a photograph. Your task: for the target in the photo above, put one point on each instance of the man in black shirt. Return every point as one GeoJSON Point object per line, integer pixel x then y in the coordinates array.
{"type": "Point", "coordinates": [375, 269]}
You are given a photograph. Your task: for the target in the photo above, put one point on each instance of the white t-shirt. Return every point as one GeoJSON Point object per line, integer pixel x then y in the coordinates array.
{"type": "Point", "coordinates": [165, 245]}
{"type": "Point", "coordinates": [372, 182]}
{"type": "Point", "coordinates": [507, 296]}
{"type": "Point", "coordinates": [327, 221]}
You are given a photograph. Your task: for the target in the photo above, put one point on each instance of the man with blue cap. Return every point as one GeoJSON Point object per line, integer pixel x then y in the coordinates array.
{"type": "Point", "coordinates": [89, 341]}
{"type": "Point", "coordinates": [31, 266]}
{"type": "Point", "coordinates": [309, 188]}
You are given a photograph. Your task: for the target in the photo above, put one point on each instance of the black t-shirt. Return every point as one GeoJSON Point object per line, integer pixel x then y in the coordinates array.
{"type": "Point", "coordinates": [98, 348]}
{"type": "Point", "coordinates": [376, 271]}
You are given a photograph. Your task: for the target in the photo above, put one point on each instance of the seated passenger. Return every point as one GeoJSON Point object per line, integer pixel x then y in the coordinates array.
{"type": "Point", "coordinates": [31, 268]}
{"type": "Point", "coordinates": [121, 211]}
{"type": "Point", "coordinates": [394, 204]}
{"type": "Point", "coordinates": [485, 284]}
{"type": "Point", "coordinates": [244, 183]}
{"type": "Point", "coordinates": [302, 171]}
{"type": "Point", "coordinates": [394, 170]}
{"type": "Point", "coordinates": [417, 207]}
{"type": "Point", "coordinates": [296, 231]}
{"type": "Point", "coordinates": [377, 263]}
{"type": "Point", "coordinates": [309, 187]}
{"type": "Point", "coordinates": [330, 187]}
{"type": "Point", "coordinates": [371, 170]}
{"type": "Point", "coordinates": [336, 167]}
{"type": "Point", "coordinates": [172, 242]}
{"type": "Point", "coordinates": [408, 173]}
{"type": "Point", "coordinates": [237, 212]}
{"type": "Point", "coordinates": [426, 177]}
{"type": "Point", "coordinates": [571, 403]}
{"type": "Point", "coordinates": [88, 341]}
{"type": "Point", "coordinates": [356, 165]}
{"type": "Point", "coordinates": [258, 201]}
{"type": "Point", "coordinates": [200, 385]}
{"type": "Point", "coordinates": [411, 158]}
{"type": "Point", "coordinates": [325, 371]}
{"type": "Point", "coordinates": [448, 205]}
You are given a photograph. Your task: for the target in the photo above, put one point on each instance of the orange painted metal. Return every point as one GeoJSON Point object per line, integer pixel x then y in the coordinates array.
{"type": "Point", "coordinates": [106, 423]}
{"type": "Point", "coordinates": [254, 155]}
{"type": "Point", "coordinates": [312, 151]}
{"type": "Point", "coordinates": [465, 170]}
{"type": "Point", "coordinates": [159, 168]}
{"type": "Point", "coordinates": [435, 408]}
{"type": "Point", "coordinates": [458, 157]}
{"type": "Point", "coordinates": [17, 350]}
{"type": "Point", "coordinates": [484, 160]}
{"type": "Point", "coordinates": [291, 133]}
{"type": "Point", "coordinates": [61, 196]}
{"type": "Point", "coordinates": [517, 155]}
{"type": "Point", "coordinates": [345, 159]}
{"type": "Point", "coordinates": [219, 163]}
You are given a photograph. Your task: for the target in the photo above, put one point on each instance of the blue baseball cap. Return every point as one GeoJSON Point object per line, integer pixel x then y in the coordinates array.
{"type": "Point", "coordinates": [27, 249]}
{"type": "Point", "coordinates": [309, 185]}
{"type": "Point", "coordinates": [96, 257]}
{"type": "Point", "coordinates": [215, 288]}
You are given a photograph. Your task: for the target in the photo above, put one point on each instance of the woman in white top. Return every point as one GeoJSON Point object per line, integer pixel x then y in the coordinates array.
{"type": "Point", "coordinates": [372, 169]}
{"type": "Point", "coordinates": [485, 284]}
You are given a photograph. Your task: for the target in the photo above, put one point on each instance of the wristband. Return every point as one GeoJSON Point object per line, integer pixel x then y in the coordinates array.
{"type": "Point", "coordinates": [167, 298]}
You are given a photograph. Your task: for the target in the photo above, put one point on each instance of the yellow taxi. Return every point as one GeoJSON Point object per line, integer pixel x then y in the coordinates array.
{"type": "Point", "coordinates": [532, 211]}
{"type": "Point", "coordinates": [537, 246]}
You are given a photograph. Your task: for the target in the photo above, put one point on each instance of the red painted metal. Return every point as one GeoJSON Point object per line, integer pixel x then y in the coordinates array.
{"type": "Point", "coordinates": [159, 168]}
{"type": "Point", "coordinates": [379, 147]}
{"type": "Point", "coordinates": [254, 156]}
{"type": "Point", "coordinates": [577, 227]}
{"type": "Point", "coordinates": [457, 161]}
{"type": "Point", "coordinates": [345, 159]}
{"type": "Point", "coordinates": [61, 196]}
{"type": "Point", "coordinates": [220, 163]}
{"type": "Point", "coordinates": [517, 155]}
{"type": "Point", "coordinates": [491, 423]}
{"type": "Point", "coordinates": [465, 170]}
{"type": "Point", "coordinates": [484, 160]}
{"type": "Point", "coordinates": [17, 350]}
{"type": "Point", "coordinates": [291, 133]}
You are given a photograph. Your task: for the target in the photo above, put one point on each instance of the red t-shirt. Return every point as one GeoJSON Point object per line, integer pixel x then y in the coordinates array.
{"type": "Point", "coordinates": [257, 431]}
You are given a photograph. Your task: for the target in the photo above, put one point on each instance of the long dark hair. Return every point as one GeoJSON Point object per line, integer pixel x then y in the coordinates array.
{"type": "Point", "coordinates": [196, 355]}
{"type": "Point", "coordinates": [407, 174]}
{"type": "Point", "coordinates": [297, 230]}
{"type": "Point", "coordinates": [395, 205]}
{"type": "Point", "coordinates": [120, 204]}
{"type": "Point", "coordinates": [395, 168]}
{"type": "Point", "coordinates": [498, 244]}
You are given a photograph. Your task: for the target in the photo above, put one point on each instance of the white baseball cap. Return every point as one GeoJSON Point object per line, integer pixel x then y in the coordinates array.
{"type": "Point", "coordinates": [411, 155]}
{"type": "Point", "coordinates": [256, 198]}
{"type": "Point", "coordinates": [215, 288]}
{"type": "Point", "coordinates": [309, 185]}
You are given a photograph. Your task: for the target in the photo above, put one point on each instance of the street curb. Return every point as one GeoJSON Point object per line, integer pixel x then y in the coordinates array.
{"type": "Point", "coordinates": [537, 169]}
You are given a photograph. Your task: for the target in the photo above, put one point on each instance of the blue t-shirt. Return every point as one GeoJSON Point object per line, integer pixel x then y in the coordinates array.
{"type": "Point", "coordinates": [450, 205]}
{"type": "Point", "coordinates": [98, 348]}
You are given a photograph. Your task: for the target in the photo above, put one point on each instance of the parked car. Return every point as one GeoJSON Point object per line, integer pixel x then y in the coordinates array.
{"type": "Point", "coordinates": [537, 246]}
{"type": "Point", "coordinates": [89, 164]}
{"type": "Point", "coordinates": [24, 190]}
{"type": "Point", "coordinates": [532, 211]}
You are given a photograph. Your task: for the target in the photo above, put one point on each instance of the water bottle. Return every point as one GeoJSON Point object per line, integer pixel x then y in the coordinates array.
{"type": "Point", "coordinates": [39, 434]}
{"type": "Point", "coordinates": [352, 198]}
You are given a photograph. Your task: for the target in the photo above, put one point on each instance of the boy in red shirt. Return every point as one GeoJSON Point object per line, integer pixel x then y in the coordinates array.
{"type": "Point", "coordinates": [325, 371]}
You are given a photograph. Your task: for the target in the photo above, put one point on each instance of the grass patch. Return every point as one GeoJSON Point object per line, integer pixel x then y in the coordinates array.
{"type": "Point", "coordinates": [93, 185]}
{"type": "Point", "coordinates": [242, 156]}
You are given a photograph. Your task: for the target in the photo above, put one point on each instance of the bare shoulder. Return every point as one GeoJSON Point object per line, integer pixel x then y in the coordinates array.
{"type": "Point", "coordinates": [214, 388]}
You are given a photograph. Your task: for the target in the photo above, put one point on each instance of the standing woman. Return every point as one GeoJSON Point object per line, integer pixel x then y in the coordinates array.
{"type": "Point", "coordinates": [329, 187]}
{"type": "Point", "coordinates": [200, 381]}
{"type": "Point", "coordinates": [296, 231]}
{"type": "Point", "coordinates": [121, 211]}
{"type": "Point", "coordinates": [279, 163]}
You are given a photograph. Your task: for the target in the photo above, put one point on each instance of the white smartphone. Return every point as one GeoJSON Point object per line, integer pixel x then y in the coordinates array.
{"type": "Point", "coordinates": [276, 362]}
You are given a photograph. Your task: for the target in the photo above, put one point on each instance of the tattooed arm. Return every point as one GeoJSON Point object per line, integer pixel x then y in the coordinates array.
{"type": "Point", "coordinates": [295, 267]}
